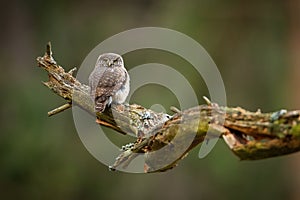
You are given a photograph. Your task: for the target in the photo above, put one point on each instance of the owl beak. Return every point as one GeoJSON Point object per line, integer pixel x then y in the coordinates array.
{"type": "Point", "coordinates": [110, 64]}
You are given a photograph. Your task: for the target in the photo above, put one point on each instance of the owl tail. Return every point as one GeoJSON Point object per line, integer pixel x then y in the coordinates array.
{"type": "Point", "coordinates": [102, 102]}
{"type": "Point", "coordinates": [100, 105]}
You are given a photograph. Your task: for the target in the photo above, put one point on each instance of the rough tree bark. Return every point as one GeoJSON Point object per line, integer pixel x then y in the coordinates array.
{"type": "Point", "coordinates": [250, 135]}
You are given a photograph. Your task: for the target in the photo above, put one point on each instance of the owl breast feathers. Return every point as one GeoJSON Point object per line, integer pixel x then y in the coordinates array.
{"type": "Point", "coordinates": [109, 81]}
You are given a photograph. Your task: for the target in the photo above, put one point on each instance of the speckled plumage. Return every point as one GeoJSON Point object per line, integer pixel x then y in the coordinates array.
{"type": "Point", "coordinates": [109, 81]}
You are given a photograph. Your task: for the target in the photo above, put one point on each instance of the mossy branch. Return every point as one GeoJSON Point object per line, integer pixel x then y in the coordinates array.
{"type": "Point", "coordinates": [250, 135]}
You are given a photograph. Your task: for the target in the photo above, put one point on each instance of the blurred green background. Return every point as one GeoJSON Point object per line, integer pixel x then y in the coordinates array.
{"type": "Point", "coordinates": [255, 44]}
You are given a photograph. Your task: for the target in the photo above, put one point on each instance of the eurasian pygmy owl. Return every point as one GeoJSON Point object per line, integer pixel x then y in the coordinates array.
{"type": "Point", "coordinates": [109, 81]}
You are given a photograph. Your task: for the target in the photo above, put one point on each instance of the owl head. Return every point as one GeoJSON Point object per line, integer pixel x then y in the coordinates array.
{"type": "Point", "coordinates": [110, 60]}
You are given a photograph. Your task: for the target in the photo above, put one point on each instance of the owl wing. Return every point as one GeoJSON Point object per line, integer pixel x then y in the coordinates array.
{"type": "Point", "coordinates": [94, 79]}
{"type": "Point", "coordinates": [105, 82]}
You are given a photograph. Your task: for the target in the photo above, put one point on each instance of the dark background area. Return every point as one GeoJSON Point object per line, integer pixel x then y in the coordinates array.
{"type": "Point", "coordinates": [255, 45]}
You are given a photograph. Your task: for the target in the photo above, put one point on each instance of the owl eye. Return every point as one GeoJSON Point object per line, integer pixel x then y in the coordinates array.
{"type": "Point", "coordinates": [117, 62]}
{"type": "Point", "coordinates": [103, 62]}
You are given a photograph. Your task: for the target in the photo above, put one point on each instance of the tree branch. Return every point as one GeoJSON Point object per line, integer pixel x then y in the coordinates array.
{"type": "Point", "coordinates": [250, 135]}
